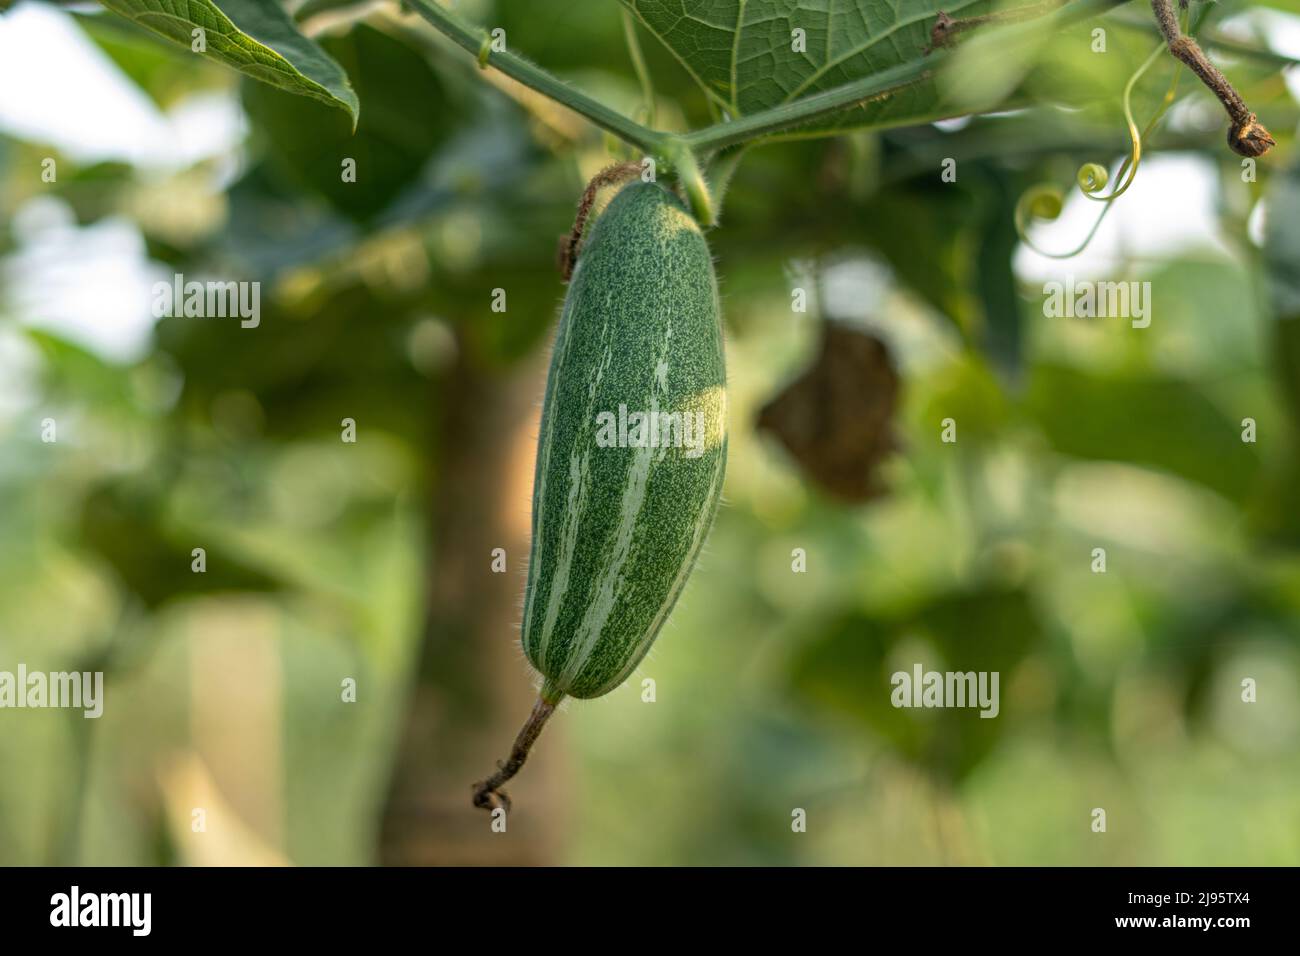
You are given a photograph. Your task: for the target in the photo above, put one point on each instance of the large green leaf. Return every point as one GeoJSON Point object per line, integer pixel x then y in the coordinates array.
{"type": "Point", "coordinates": [255, 37]}
{"type": "Point", "coordinates": [741, 51]}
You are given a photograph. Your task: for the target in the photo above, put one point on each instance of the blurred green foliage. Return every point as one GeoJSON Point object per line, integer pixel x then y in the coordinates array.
{"type": "Point", "coordinates": [1119, 690]}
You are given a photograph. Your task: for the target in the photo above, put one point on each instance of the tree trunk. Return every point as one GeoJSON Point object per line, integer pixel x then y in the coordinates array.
{"type": "Point", "coordinates": [473, 689]}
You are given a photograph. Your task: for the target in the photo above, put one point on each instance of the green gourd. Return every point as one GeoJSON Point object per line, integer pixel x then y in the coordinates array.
{"type": "Point", "coordinates": [630, 456]}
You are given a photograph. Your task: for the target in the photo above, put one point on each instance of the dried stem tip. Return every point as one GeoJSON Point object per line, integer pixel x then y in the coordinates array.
{"type": "Point", "coordinates": [488, 793]}
{"type": "Point", "coordinates": [1250, 138]}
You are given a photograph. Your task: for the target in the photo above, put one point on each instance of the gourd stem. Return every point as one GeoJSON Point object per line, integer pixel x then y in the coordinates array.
{"type": "Point", "coordinates": [609, 176]}
{"type": "Point", "coordinates": [488, 793]}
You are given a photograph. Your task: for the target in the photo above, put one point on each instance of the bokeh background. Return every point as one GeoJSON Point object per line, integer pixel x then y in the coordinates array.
{"type": "Point", "coordinates": [372, 561]}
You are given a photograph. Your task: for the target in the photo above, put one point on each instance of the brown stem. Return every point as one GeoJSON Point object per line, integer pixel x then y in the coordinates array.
{"type": "Point", "coordinates": [608, 176]}
{"type": "Point", "coordinates": [488, 793]}
{"type": "Point", "coordinates": [1247, 136]}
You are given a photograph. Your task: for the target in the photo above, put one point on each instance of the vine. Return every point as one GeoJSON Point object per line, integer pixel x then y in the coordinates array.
{"type": "Point", "coordinates": [1092, 177]}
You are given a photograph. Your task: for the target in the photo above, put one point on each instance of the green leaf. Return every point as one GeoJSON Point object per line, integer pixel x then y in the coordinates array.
{"type": "Point", "coordinates": [164, 72]}
{"type": "Point", "coordinates": [1282, 243]}
{"type": "Point", "coordinates": [1156, 421]}
{"type": "Point", "coordinates": [255, 37]}
{"type": "Point", "coordinates": [125, 525]}
{"type": "Point", "coordinates": [307, 143]}
{"type": "Point", "coordinates": [847, 670]}
{"type": "Point", "coordinates": [1002, 332]}
{"type": "Point", "coordinates": [741, 52]}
